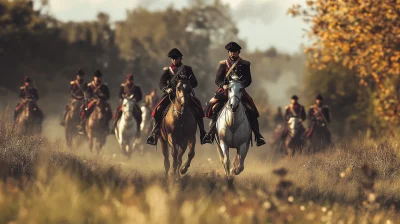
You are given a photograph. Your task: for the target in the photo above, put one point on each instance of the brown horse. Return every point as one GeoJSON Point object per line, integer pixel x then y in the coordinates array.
{"type": "Point", "coordinates": [29, 120]}
{"type": "Point", "coordinates": [319, 137]}
{"type": "Point", "coordinates": [178, 130]}
{"type": "Point", "coordinates": [97, 125]}
{"type": "Point", "coordinates": [294, 140]}
{"type": "Point", "coordinates": [72, 120]}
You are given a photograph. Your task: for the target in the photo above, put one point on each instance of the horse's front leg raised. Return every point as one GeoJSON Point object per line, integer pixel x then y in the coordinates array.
{"type": "Point", "coordinates": [241, 156]}
{"type": "Point", "coordinates": [191, 155]}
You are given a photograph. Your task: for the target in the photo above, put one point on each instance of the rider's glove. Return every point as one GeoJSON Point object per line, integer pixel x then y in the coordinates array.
{"type": "Point", "coordinates": [169, 90]}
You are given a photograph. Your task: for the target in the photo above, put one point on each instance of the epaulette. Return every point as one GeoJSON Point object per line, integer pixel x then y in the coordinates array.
{"type": "Point", "coordinates": [245, 62]}
{"type": "Point", "coordinates": [22, 87]}
{"type": "Point", "coordinates": [287, 107]}
{"type": "Point", "coordinates": [72, 82]}
{"type": "Point", "coordinates": [222, 62]}
{"type": "Point", "coordinates": [166, 68]}
{"type": "Point", "coordinates": [90, 84]}
{"type": "Point", "coordinates": [123, 84]}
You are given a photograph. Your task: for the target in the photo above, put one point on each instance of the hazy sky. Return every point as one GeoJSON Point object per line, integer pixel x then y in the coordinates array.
{"type": "Point", "coordinates": [263, 23]}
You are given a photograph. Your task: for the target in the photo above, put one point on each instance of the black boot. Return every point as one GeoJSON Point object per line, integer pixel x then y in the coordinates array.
{"type": "Point", "coordinates": [114, 126]}
{"type": "Point", "coordinates": [138, 122]}
{"type": "Point", "coordinates": [209, 138]}
{"type": "Point", "coordinates": [203, 132]}
{"type": "Point", "coordinates": [256, 129]}
{"type": "Point", "coordinates": [153, 138]}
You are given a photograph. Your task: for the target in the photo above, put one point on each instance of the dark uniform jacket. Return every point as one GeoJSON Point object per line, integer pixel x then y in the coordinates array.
{"type": "Point", "coordinates": [28, 92]}
{"type": "Point", "coordinates": [242, 69]}
{"type": "Point", "coordinates": [77, 89]}
{"type": "Point", "coordinates": [101, 92]}
{"type": "Point", "coordinates": [166, 77]}
{"type": "Point", "coordinates": [296, 111]}
{"type": "Point", "coordinates": [127, 90]}
{"type": "Point", "coordinates": [319, 114]}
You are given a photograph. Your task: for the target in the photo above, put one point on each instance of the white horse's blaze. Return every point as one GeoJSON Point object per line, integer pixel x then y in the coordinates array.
{"type": "Point", "coordinates": [233, 129]}
{"type": "Point", "coordinates": [126, 128]}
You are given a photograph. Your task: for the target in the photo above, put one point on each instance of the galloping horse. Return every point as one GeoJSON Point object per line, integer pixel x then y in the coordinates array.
{"type": "Point", "coordinates": [319, 136]}
{"type": "Point", "coordinates": [72, 120]}
{"type": "Point", "coordinates": [178, 129]}
{"type": "Point", "coordinates": [294, 139]}
{"type": "Point", "coordinates": [29, 121]}
{"type": "Point", "coordinates": [125, 131]}
{"type": "Point", "coordinates": [233, 129]}
{"type": "Point", "coordinates": [97, 125]}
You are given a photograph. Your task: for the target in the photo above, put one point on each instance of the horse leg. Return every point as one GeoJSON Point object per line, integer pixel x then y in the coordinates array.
{"type": "Point", "coordinates": [241, 156]}
{"type": "Point", "coordinates": [191, 155]}
{"type": "Point", "coordinates": [165, 151]}
{"type": "Point", "coordinates": [174, 154]}
{"type": "Point", "coordinates": [226, 161]}
{"type": "Point", "coordinates": [181, 152]}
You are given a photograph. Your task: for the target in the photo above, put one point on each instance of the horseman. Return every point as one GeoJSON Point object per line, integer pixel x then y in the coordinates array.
{"type": "Point", "coordinates": [77, 89]}
{"type": "Point", "coordinates": [167, 84]}
{"type": "Point", "coordinates": [319, 116]}
{"type": "Point", "coordinates": [151, 100]}
{"type": "Point", "coordinates": [127, 89]}
{"type": "Point", "coordinates": [96, 90]}
{"type": "Point", "coordinates": [27, 92]}
{"type": "Point", "coordinates": [227, 68]}
{"type": "Point", "coordinates": [294, 110]}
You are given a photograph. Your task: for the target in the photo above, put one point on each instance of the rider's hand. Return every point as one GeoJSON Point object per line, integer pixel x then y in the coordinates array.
{"type": "Point", "coordinates": [225, 86]}
{"type": "Point", "coordinates": [169, 90]}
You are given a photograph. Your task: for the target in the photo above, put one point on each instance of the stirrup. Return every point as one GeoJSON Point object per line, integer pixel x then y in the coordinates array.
{"type": "Point", "coordinates": [152, 140]}
{"type": "Point", "coordinates": [260, 141]}
{"type": "Point", "coordinates": [208, 139]}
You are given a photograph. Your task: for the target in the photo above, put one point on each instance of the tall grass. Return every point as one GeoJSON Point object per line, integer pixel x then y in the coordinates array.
{"type": "Point", "coordinates": [42, 182]}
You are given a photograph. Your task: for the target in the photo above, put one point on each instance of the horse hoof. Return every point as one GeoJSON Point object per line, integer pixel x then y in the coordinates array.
{"type": "Point", "coordinates": [184, 170]}
{"type": "Point", "coordinates": [230, 180]}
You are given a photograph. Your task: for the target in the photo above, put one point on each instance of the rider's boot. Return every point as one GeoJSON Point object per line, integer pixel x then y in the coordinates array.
{"type": "Point", "coordinates": [209, 138]}
{"type": "Point", "coordinates": [256, 129]}
{"type": "Point", "coordinates": [152, 139]}
{"type": "Point", "coordinates": [138, 122]}
{"type": "Point", "coordinates": [203, 132]}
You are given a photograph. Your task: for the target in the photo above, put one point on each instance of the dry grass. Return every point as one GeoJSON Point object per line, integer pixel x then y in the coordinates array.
{"type": "Point", "coordinates": [42, 182]}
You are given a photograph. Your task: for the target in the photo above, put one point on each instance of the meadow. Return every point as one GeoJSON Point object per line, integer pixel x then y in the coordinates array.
{"type": "Point", "coordinates": [42, 181]}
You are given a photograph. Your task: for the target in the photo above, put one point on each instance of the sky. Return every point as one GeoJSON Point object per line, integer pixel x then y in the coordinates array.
{"type": "Point", "coordinates": [262, 23]}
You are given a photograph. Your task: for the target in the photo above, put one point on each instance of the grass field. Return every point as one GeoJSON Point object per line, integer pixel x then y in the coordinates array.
{"type": "Point", "coordinates": [44, 182]}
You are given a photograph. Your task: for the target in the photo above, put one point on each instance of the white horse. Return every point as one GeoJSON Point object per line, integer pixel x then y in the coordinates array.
{"type": "Point", "coordinates": [126, 127]}
{"type": "Point", "coordinates": [233, 129]}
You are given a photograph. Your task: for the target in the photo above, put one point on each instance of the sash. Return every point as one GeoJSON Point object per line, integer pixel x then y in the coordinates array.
{"type": "Point", "coordinates": [232, 67]}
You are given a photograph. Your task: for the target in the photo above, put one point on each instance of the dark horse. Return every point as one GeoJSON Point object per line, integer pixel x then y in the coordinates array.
{"type": "Point", "coordinates": [319, 137]}
{"type": "Point", "coordinates": [178, 129]}
{"type": "Point", "coordinates": [72, 120]}
{"type": "Point", "coordinates": [97, 125]}
{"type": "Point", "coordinates": [29, 120]}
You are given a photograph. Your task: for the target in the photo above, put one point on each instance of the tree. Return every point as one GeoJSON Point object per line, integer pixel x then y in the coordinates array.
{"type": "Point", "coordinates": [362, 35]}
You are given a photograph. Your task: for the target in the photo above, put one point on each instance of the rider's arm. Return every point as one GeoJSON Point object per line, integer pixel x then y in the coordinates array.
{"type": "Point", "coordinates": [138, 94]}
{"type": "Point", "coordinates": [35, 94]}
{"type": "Point", "coordinates": [220, 76]}
{"type": "Point", "coordinates": [311, 114]}
{"type": "Point", "coordinates": [246, 79]}
{"type": "Point", "coordinates": [121, 92]}
{"type": "Point", "coordinates": [303, 114]}
{"type": "Point", "coordinates": [165, 77]}
{"type": "Point", "coordinates": [192, 77]}
{"type": "Point", "coordinates": [106, 93]}
{"type": "Point", "coordinates": [21, 93]}
{"type": "Point", "coordinates": [327, 114]}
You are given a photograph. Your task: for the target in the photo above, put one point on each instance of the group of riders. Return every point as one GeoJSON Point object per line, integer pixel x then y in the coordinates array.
{"type": "Point", "coordinates": [97, 90]}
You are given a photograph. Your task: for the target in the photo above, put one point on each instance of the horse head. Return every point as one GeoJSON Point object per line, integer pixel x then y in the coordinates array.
{"type": "Point", "coordinates": [235, 90]}
{"type": "Point", "coordinates": [30, 108]}
{"type": "Point", "coordinates": [127, 106]}
{"type": "Point", "coordinates": [183, 91]}
{"type": "Point", "coordinates": [294, 125]}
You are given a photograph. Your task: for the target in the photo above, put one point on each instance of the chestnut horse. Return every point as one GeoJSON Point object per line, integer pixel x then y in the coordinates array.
{"type": "Point", "coordinates": [29, 120]}
{"type": "Point", "coordinates": [178, 129]}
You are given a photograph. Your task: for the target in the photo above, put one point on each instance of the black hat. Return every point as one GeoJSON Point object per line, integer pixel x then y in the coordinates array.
{"type": "Point", "coordinates": [80, 72]}
{"type": "Point", "coordinates": [294, 97]}
{"type": "Point", "coordinates": [97, 73]}
{"type": "Point", "coordinates": [233, 47]}
{"type": "Point", "coordinates": [175, 53]}
{"type": "Point", "coordinates": [27, 79]}
{"type": "Point", "coordinates": [319, 97]}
